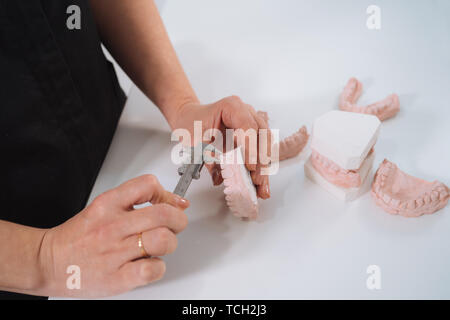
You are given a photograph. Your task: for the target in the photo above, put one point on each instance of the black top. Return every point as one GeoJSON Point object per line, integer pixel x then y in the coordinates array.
{"type": "Point", "coordinates": [60, 103]}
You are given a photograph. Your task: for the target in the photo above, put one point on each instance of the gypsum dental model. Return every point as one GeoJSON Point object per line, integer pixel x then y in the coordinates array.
{"type": "Point", "coordinates": [292, 145]}
{"type": "Point", "coordinates": [338, 176]}
{"type": "Point", "coordinates": [383, 109]}
{"type": "Point", "coordinates": [344, 141]}
{"type": "Point", "coordinates": [399, 193]}
{"type": "Point", "coordinates": [344, 194]}
{"type": "Point", "coordinates": [346, 138]}
{"type": "Point", "coordinates": [240, 192]}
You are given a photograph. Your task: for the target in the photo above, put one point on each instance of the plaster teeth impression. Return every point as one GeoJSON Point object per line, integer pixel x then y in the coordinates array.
{"type": "Point", "coordinates": [294, 144]}
{"type": "Point", "coordinates": [341, 177]}
{"type": "Point", "coordinates": [384, 109]}
{"type": "Point", "coordinates": [399, 193]}
{"type": "Point", "coordinates": [240, 193]}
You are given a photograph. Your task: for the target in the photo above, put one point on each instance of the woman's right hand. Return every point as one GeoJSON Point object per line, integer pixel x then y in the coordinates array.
{"type": "Point", "coordinates": [102, 241]}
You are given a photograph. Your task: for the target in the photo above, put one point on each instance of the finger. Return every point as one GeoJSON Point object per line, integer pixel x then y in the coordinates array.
{"type": "Point", "coordinates": [156, 242]}
{"type": "Point", "coordinates": [263, 190]}
{"type": "Point", "coordinates": [264, 115]}
{"type": "Point", "coordinates": [236, 115]}
{"type": "Point", "coordinates": [262, 182]}
{"type": "Point", "coordinates": [261, 119]}
{"type": "Point", "coordinates": [148, 218]}
{"type": "Point", "coordinates": [140, 272]}
{"type": "Point", "coordinates": [256, 176]}
{"type": "Point", "coordinates": [216, 173]}
{"type": "Point", "coordinates": [147, 188]}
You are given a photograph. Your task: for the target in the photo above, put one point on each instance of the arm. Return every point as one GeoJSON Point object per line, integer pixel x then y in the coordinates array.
{"type": "Point", "coordinates": [135, 35]}
{"type": "Point", "coordinates": [20, 249]}
{"type": "Point", "coordinates": [102, 240]}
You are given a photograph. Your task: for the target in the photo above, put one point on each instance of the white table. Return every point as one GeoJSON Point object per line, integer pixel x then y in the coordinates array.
{"type": "Point", "coordinates": [292, 59]}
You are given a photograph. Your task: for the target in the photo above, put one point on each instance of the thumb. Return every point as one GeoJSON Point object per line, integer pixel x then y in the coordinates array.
{"type": "Point", "coordinates": [147, 188]}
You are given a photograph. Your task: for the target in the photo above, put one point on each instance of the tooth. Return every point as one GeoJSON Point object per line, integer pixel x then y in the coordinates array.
{"type": "Point", "coordinates": [419, 203]}
{"type": "Point", "coordinates": [227, 183]}
{"type": "Point", "coordinates": [402, 205]}
{"type": "Point", "coordinates": [382, 183]}
{"type": "Point", "coordinates": [443, 195]}
{"type": "Point", "coordinates": [434, 195]}
{"type": "Point", "coordinates": [427, 198]}
{"type": "Point", "coordinates": [395, 202]}
{"type": "Point", "coordinates": [411, 204]}
{"type": "Point", "coordinates": [386, 198]}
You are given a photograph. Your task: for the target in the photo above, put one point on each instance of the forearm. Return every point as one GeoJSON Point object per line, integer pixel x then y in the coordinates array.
{"type": "Point", "coordinates": [135, 35]}
{"type": "Point", "coordinates": [20, 258]}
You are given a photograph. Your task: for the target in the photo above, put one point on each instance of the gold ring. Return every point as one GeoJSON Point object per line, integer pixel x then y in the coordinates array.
{"type": "Point", "coordinates": [141, 246]}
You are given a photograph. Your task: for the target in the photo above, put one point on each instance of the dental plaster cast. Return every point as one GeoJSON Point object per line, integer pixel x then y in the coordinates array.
{"type": "Point", "coordinates": [383, 109]}
{"type": "Point", "coordinates": [240, 192]}
{"type": "Point", "coordinates": [294, 144]}
{"type": "Point", "coordinates": [346, 138]}
{"type": "Point", "coordinates": [344, 194]}
{"type": "Point", "coordinates": [338, 176]}
{"type": "Point", "coordinates": [342, 156]}
{"type": "Point", "coordinates": [399, 193]}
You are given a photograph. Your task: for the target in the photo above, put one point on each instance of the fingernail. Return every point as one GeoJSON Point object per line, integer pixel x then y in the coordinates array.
{"type": "Point", "coordinates": [267, 190]}
{"type": "Point", "coordinates": [182, 202]}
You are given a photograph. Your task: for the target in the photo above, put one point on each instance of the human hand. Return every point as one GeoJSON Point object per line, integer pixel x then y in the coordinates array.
{"type": "Point", "coordinates": [102, 240]}
{"type": "Point", "coordinates": [228, 113]}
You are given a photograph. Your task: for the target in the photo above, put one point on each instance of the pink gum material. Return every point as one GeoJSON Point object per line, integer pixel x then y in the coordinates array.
{"type": "Point", "coordinates": [399, 193]}
{"type": "Point", "coordinates": [294, 144]}
{"type": "Point", "coordinates": [383, 109]}
{"type": "Point", "coordinates": [334, 173]}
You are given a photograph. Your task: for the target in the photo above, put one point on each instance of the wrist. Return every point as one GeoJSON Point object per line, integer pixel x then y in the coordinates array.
{"type": "Point", "coordinates": [45, 265]}
{"type": "Point", "coordinates": [178, 110]}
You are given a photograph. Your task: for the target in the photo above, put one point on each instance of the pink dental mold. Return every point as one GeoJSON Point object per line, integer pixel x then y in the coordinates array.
{"type": "Point", "coordinates": [294, 144]}
{"type": "Point", "coordinates": [240, 192]}
{"type": "Point", "coordinates": [384, 109]}
{"type": "Point", "coordinates": [399, 193]}
{"type": "Point", "coordinates": [336, 175]}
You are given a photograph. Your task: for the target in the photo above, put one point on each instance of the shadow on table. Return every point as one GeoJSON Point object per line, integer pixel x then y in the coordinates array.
{"type": "Point", "coordinates": [204, 241]}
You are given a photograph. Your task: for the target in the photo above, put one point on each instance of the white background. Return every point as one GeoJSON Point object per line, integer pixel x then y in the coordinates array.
{"type": "Point", "coordinates": [292, 59]}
